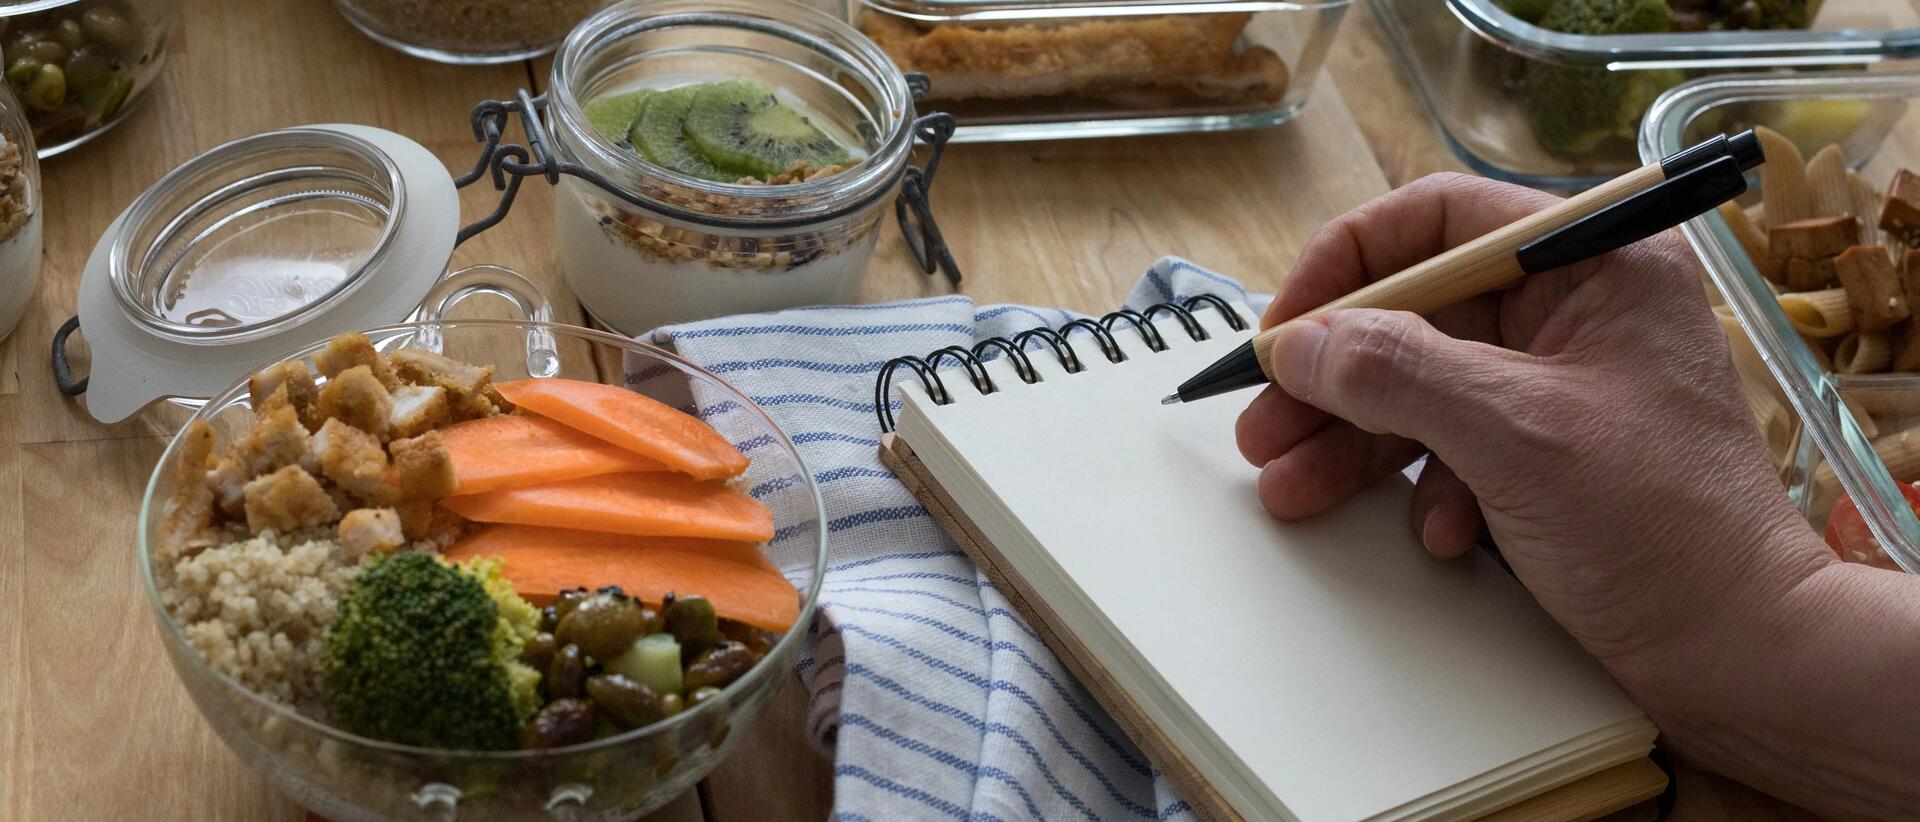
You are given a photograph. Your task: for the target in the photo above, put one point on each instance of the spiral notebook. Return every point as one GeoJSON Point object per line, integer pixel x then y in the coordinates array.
{"type": "Point", "coordinates": [1323, 670]}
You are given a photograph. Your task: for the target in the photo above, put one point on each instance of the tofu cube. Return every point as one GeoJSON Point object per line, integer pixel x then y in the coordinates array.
{"type": "Point", "coordinates": [424, 466]}
{"type": "Point", "coordinates": [1906, 357]}
{"type": "Point", "coordinates": [287, 500]}
{"type": "Point", "coordinates": [350, 350]}
{"type": "Point", "coordinates": [352, 459]}
{"type": "Point", "coordinates": [1812, 239]}
{"type": "Point", "coordinates": [1810, 275]}
{"type": "Point", "coordinates": [356, 397]}
{"type": "Point", "coordinates": [1900, 213]}
{"type": "Point", "coordinates": [418, 409]}
{"type": "Point", "coordinates": [375, 530]}
{"type": "Point", "coordinates": [1874, 290]}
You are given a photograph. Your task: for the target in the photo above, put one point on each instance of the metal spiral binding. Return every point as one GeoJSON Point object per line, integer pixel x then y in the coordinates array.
{"type": "Point", "coordinates": [1016, 347]}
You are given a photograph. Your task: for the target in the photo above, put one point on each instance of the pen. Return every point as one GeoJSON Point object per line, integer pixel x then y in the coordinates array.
{"type": "Point", "coordinates": [1617, 213]}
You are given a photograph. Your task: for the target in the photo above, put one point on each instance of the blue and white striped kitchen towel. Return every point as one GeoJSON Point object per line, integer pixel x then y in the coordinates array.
{"type": "Point", "coordinates": [935, 697]}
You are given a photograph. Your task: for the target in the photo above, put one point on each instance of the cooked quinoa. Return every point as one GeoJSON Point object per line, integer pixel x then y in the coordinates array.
{"type": "Point", "coordinates": [258, 611]}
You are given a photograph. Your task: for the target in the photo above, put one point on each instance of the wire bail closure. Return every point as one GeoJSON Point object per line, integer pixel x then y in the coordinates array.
{"type": "Point", "coordinates": [509, 163]}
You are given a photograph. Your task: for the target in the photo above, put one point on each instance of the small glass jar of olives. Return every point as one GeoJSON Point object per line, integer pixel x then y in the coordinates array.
{"type": "Point", "coordinates": [77, 66]}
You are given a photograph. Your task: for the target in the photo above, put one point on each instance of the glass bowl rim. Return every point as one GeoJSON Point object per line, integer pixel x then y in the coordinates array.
{"type": "Point", "coordinates": [173, 633]}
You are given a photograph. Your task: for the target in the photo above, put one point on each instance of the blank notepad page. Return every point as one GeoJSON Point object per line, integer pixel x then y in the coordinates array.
{"type": "Point", "coordinates": [1345, 672]}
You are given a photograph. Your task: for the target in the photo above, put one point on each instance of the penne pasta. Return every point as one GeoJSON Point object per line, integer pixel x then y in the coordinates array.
{"type": "Point", "coordinates": [1900, 452]}
{"type": "Point", "coordinates": [1752, 240]}
{"type": "Point", "coordinates": [1893, 400]}
{"type": "Point", "coordinates": [1757, 214]}
{"type": "Point", "coordinates": [1818, 314]}
{"type": "Point", "coordinates": [1863, 352]}
{"type": "Point", "coordinates": [1866, 206]}
{"type": "Point", "coordinates": [1868, 425]}
{"type": "Point", "coordinates": [1783, 179]}
{"type": "Point", "coordinates": [1829, 194]}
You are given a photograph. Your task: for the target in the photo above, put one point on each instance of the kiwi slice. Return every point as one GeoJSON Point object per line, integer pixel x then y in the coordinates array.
{"type": "Point", "coordinates": [614, 116]}
{"type": "Point", "coordinates": [740, 124]}
{"type": "Point", "coordinates": [660, 136]}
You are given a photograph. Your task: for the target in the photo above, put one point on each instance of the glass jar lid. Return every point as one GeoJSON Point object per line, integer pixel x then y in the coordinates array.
{"type": "Point", "coordinates": [256, 235]}
{"type": "Point", "coordinates": [256, 247]}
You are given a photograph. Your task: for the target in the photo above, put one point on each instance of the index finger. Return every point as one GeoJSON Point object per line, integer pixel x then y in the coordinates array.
{"type": "Point", "coordinates": [1394, 231]}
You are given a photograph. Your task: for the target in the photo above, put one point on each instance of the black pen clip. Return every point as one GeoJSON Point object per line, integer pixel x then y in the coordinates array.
{"type": "Point", "coordinates": [1680, 198]}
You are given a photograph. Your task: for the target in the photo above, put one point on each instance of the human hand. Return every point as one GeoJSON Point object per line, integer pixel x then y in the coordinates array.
{"type": "Point", "coordinates": [1590, 417]}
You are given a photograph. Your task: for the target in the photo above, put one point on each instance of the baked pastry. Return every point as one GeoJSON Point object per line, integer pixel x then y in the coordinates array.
{"type": "Point", "coordinates": [1154, 61]}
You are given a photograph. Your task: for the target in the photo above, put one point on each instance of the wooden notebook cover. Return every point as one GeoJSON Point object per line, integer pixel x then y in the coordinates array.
{"type": "Point", "coordinates": [1593, 796]}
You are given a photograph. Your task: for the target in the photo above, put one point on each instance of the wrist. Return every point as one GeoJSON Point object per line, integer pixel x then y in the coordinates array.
{"type": "Point", "coordinates": [1727, 633]}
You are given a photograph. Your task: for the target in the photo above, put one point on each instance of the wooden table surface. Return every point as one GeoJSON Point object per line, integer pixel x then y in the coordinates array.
{"type": "Point", "coordinates": [93, 724]}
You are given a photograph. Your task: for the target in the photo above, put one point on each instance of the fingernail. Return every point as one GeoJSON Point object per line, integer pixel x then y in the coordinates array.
{"type": "Point", "coordinates": [1295, 354]}
{"type": "Point", "coordinates": [1427, 528]}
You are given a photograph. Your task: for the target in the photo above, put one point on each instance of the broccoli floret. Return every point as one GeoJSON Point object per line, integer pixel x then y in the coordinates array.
{"type": "Point", "coordinates": [1575, 108]}
{"type": "Point", "coordinates": [426, 653]}
{"type": "Point", "coordinates": [1528, 10]}
{"type": "Point", "coordinates": [1769, 14]}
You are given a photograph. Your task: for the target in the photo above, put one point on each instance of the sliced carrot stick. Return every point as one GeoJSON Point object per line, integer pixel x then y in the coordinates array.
{"type": "Point", "coordinates": [510, 451]}
{"type": "Point", "coordinates": [490, 539]}
{"type": "Point", "coordinates": [658, 504]}
{"type": "Point", "coordinates": [633, 421]}
{"type": "Point", "coordinates": [647, 569]}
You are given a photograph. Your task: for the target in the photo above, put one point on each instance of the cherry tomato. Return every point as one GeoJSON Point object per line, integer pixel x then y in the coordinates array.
{"type": "Point", "coordinates": [1848, 535]}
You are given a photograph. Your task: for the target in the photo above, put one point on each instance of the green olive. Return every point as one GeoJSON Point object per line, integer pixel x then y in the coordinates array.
{"type": "Point", "coordinates": [48, 89]}
{"type": "Point", "coordinates": [549, 619]}
{"type": "Point", "coordinates": [692, 621]}
{"type": "Point", "coordinates": [69, 34]}
{"type": "Point", "coordinates": [566, 673]}
{"type": "Point", "coordinates": [108, 27]}
{"type": "Point", "coordinates": [699, 695]}
{"type": "Point", "coordinates": [604, 625]}
{"type": "Point", "coordinates": [759, 640]}
{"type": "Point", "coordinates": [561, 722]}
{"type": "Point", "coordinates": [23, 70]}
{"type": "Point", "coordinates": [46, 51]}
{"type": "Point", "coordinates": [672, 704]}
{"type": "Point", "coordinates": [627, 702]}
{"type": "Point", "coordinates": [566, 601]}
{"type": "Point", "coordinates": [722, 664]}
{"type": "Point", "coordinates": [89, 70]}
{"type": "Point", "coordinates": [539, 651]}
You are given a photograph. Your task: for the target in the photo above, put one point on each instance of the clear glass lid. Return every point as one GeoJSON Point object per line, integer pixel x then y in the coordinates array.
{"type": "Point", "coordinates": [256, 234]}
{"type": "Point", "coordinates": [1841, 32]}
{"type": "Point", "coordinates": [938, 10]}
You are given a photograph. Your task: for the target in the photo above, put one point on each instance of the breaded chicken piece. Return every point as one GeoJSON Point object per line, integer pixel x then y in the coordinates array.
{"type": "Point", "coordinates": [353, 349]}
{"type": "Point", "coordinates": [352, 459]}
{"type": "Point", "coordinates": [356, 397]}
{"type": "Point", "coordinates": [418, 409]}
{"type": "Point", "coordinates": [187, 517]}
{"type": "Point", "coordinates": [277, 438]}
{"type": "Point", "coordinates": [1150, 59]}
{"type": "Point", "coordinates": [469, 387]}
{"type": "Point", "coordinates": [371, 529]}
{"type": "Point", "coordinates": [295, 378]}
{"type": "Point", "coordinates": [287, 500]}
{"type": "Point", "coordinates": [424, 466]}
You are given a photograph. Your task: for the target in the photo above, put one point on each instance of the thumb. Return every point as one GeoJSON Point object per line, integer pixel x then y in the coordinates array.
{"type": "Point", "coordinates": [1389, 372]}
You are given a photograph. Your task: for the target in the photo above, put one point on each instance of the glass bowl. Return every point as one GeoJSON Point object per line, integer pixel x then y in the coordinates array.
{"type": "Point", "coordinates": [1470, 62]}
{"type": "Point", "coordinates": [80, 65]}
{"type": "Point", "coordinates": [1833, 433]}
{"type": "Point", "coordinates": [467, 31]}
{"type": "Point", "coordinates": [349, 778]}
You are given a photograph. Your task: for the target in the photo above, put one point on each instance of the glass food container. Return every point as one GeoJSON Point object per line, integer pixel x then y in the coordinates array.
{"type": "Point", "coordinates": [468, 31]}
{"type": "Point", "coordinates": [80, 65]}
{"type": "Point", "coordinates": [643, 245]}
{"type": "Point", "coordinates": [349, 778]}
{"type": "Point", "coordinates": [1832, 434]}
{"type": "Point", "coordinates": [19, 215]}
{"type": "Point", "coordinates": [1519, 102]}
{"type": "Point", "coordinates": [1045, 69]}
